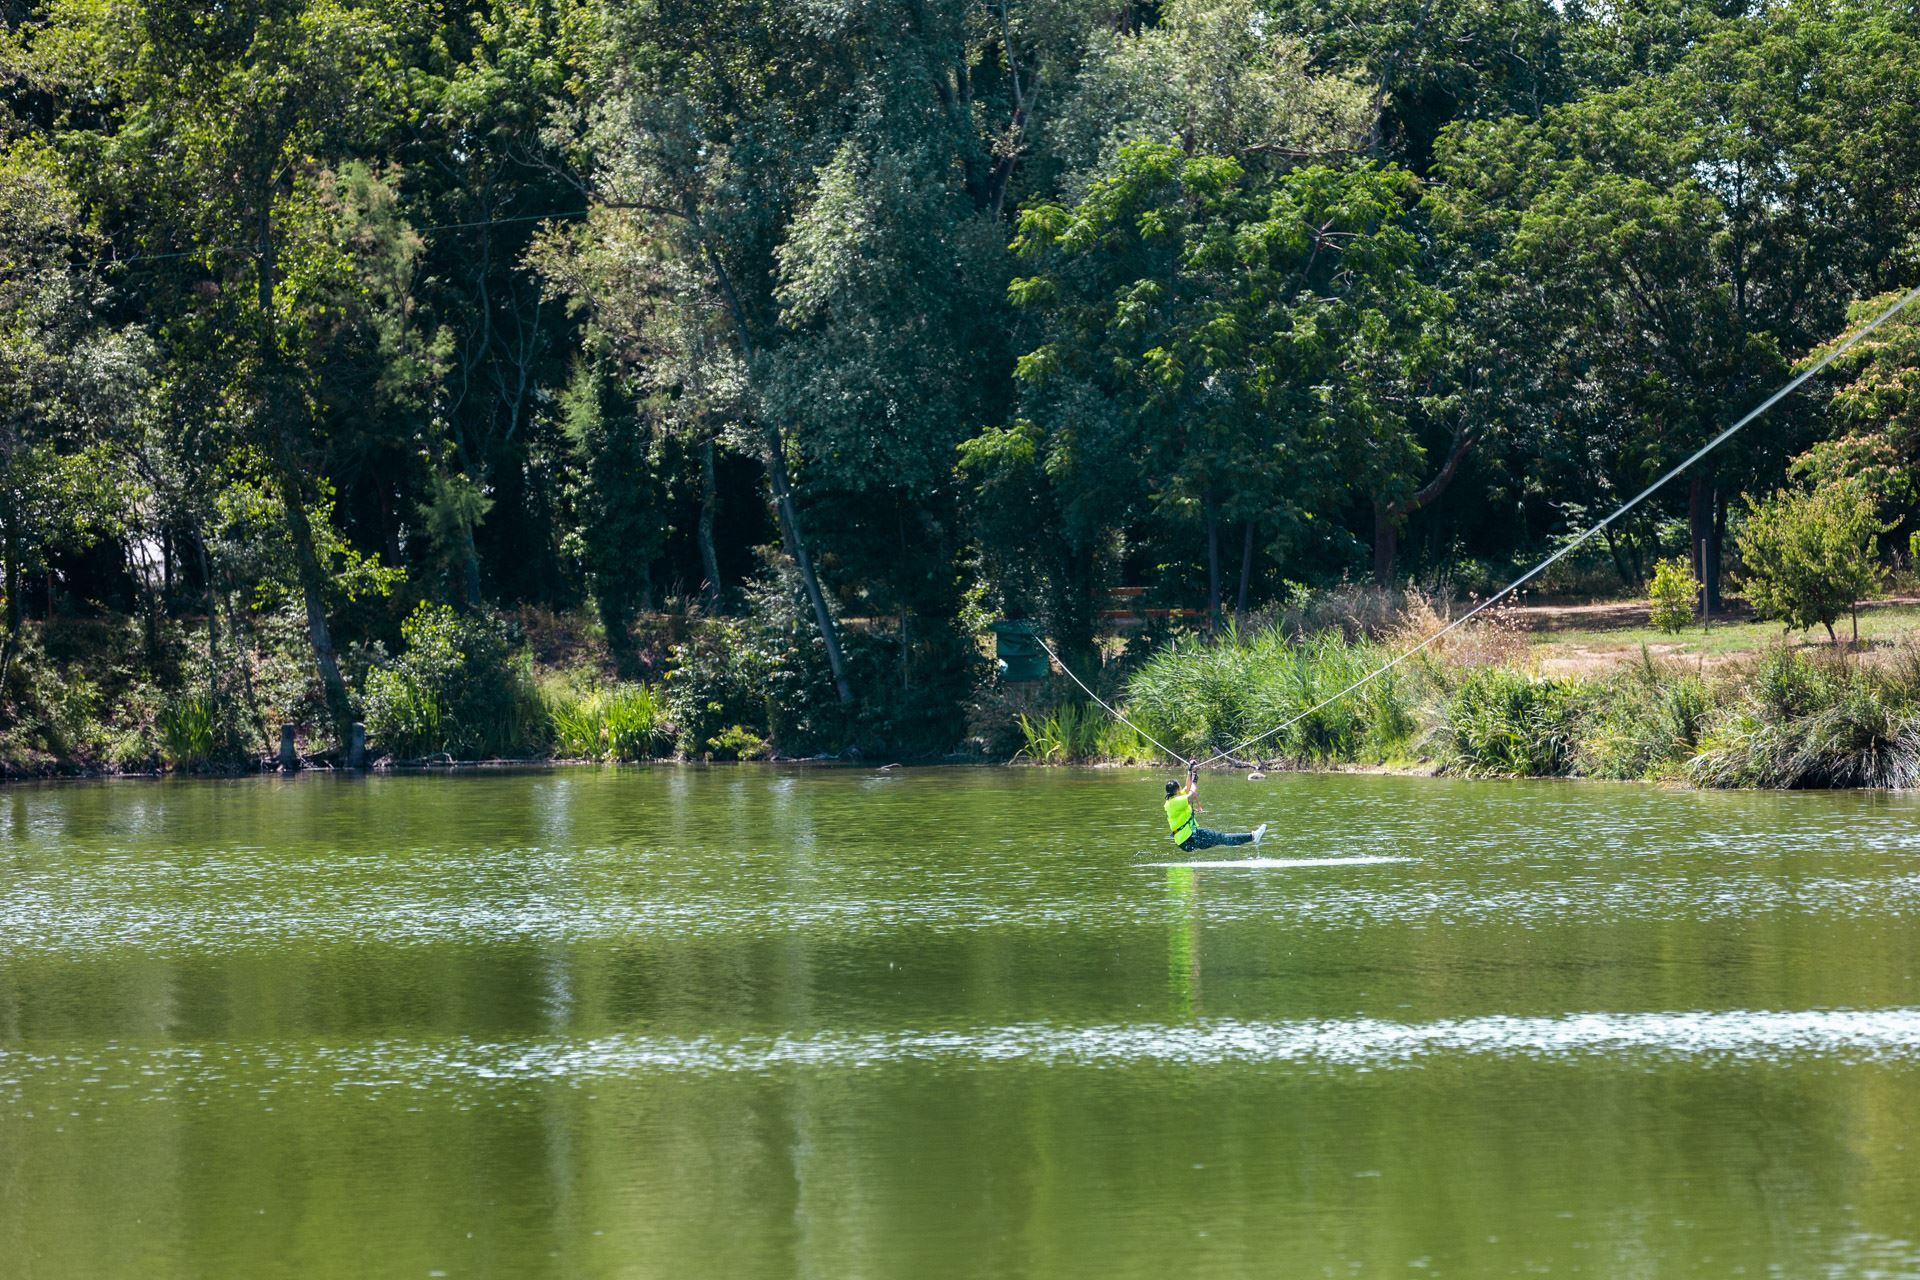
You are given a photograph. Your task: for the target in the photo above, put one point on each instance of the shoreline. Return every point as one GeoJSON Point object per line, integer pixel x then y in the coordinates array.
{"type": "Point", "coordinates": [1427, 769]}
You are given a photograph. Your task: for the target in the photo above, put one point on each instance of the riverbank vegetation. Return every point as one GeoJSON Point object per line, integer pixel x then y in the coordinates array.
{"type": "Point", "coordinates": [1786, 716]}
{"type": "Point", "coordinates": [599, 380]}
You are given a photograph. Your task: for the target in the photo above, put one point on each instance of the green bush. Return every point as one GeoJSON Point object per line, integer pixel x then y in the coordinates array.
{"type": "Point", "coordinates": [1809, 724]}
{"type": "Point", "coordinates": [457, 687]}
{"type": "Point", "coordinates": [624, 722]}
{"type": "Point", "coordinates": [737, 743]}
{"type": "Point", "coordinates": [718, 681]}
{"type": "Point", "coordinates": [1505, 723]}
{"type": "Point", "coordinates": [1672, 595]}
{"type": "Point", "coordinates": [1068, 734]}
{"type": "Point", "coordinates": [1200, 697]}
{"type": "Point", "coordinates": [189, 732]}
{"type": "Point", "coordinates": [1810, 555]}
{"type": "Point", "coordinates": [1647, 724]}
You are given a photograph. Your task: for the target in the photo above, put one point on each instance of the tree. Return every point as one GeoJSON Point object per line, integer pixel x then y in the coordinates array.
{"type": "Point", "coordinates": [1810, 555]}
{"type": "Point", "coordinates": [1658, 249]}
{"type": "Point", "coordinates": [619, 531]}
{"type": "Point", "coordinates": [61, 485]}
{"type": "Point", "coordinates": [1219, 345]}
{"type": "Point", "coordinates": [1673, 595]}
{"type": "Point", "coordinates": [258, 105]}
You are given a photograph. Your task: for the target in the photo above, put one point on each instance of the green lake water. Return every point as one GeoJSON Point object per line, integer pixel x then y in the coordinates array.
{"type": "Point", "coordinates": [682, 1022]}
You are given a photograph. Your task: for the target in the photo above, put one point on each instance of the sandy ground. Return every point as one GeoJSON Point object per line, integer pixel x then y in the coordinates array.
{"type": "Point", "coordinates": [1573, 639]}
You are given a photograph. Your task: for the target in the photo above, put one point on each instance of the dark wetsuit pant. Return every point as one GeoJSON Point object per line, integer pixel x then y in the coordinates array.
{"type": "Point", "coordinates": [1205, 839]}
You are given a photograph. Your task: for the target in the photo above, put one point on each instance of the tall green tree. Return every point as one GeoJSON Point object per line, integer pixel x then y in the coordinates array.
{"type": "Point", "coordinates": [1219, 345]}
{"type": "Point", "coordinates": [1658, 251]}
{"type": "Point", "coordinates": [61, 485]}
{"type": "Point", "coordinates": [217, 135]}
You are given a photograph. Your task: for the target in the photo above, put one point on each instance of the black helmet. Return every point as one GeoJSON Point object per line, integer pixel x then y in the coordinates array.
{"type": "Point", "coordinates": [1172, 787]}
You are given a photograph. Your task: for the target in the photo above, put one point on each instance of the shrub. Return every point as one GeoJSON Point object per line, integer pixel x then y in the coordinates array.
{"type": "Point", "coordinates": [1806, 724]}
{"type": "Point", "coordinates": [1201, 697]}
{"type": "Point", "coordinates": [188, 732]}
{"type": "Point", "coordinates": [624, 722]}
{"type": "Point", "coordinates": [1505, 723]}
{"type": "Point", "coordinates": [1810, 555]}
{"type": "Point", "coordinates": [1648, 722]}
{"type": "Point", "coordinates": [1070, 733]}
{"type": "Point", "coordinates": [737, 743]}
{"type": "Point", "coordinates": [1672, 595]}
{"type": "Point", "coordinates": [718, 680]}
{"type": "Point", "coordinates": [457, 687]}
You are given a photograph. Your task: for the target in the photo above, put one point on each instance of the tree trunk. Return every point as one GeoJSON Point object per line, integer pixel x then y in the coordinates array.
{"type": "Point", "coordinates": [1712, 583]}
{"type": "Point", "coordinates": [1386, 543]}
{"type": "Point", "coordinates": [213, 633]}
{"type": "Point", "coordinates": [796, 546]}
{"type": "Point", "coordinates": [313, 586]}
{"type": "Point", "coordinates": [1213, 564]}
{"type": "Point", "coordinates": [1387, 515]}
{"type": "Point", "coordinates": [279, 413]}
{"type": "Point", "coordinates": [1246, 575]}
{"type": "Point", "coordinates": [709, 500]}
{"type": "Point", "coordinates": [470, 575]}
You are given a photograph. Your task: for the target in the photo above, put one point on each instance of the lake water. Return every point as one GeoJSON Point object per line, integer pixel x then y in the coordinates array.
{"type": "Point", "coordinates": [685, 1022]}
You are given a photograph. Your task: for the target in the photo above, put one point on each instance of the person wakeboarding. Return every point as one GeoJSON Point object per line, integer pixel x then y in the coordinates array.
{"type": "Point", "coordinates": [1187, 831]}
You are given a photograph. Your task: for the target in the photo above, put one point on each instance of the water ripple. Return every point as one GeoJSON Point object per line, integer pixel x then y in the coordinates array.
{"type": "Point", "coordinates": [1705, 1037]}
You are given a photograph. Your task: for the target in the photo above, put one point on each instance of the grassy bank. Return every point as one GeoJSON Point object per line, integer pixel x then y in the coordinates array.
{"type": "Point", "coordinates": [1745, 708]}
{"type": "Point", "coordinates": [1480, 705]}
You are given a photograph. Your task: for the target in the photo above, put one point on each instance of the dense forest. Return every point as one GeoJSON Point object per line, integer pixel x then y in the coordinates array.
{"type": "Point", "coordinates": [502, 372]}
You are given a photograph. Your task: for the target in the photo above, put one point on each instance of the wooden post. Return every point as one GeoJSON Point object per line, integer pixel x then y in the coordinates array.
{"type": "Point", "coordinates": [289, 761]}
{"type": "Point", "coordinates": [357, 746]}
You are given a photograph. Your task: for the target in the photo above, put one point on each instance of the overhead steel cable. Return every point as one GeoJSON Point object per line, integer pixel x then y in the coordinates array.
{"type": "Point", "coordinates": [1110, 710]}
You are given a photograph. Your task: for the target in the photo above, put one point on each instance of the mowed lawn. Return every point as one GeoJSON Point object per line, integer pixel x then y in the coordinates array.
{"type": "Point", "coordinates": [1620, 632]}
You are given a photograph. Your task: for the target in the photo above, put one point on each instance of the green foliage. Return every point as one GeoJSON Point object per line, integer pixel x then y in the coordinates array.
{"type": "Point", "coordinates": [1810, 555]}
{"type": "Point", "coordinates": [717, 681]}
{"type": "Point", "coordinates": [1068, 734]}
{"type": "Point", "coordinates": [456, 688]}
{"type": "Point", "coordinates": [287, 344]}
{"type": "Point", "coordinates": [189, 732]}
{"type": "Point", "coordinates": [624, 722]}
{"type": "Point", "coordinates": [1200, 697]}
{"type": "Point", "coordinates": [1808, 722]}
{"type": "Point", "coordinates": [736, 742]}
{"type": "Point", "coordinates": [1673, 595]}
{"type": "Point", "coordinates": [619, 531]}
{"type": "Point", "coordinates": [1645, 722]}
{"type": "Point", "coordinates": [1500, 722]}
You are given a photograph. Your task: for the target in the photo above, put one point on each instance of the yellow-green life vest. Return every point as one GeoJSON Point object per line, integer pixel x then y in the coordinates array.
{"type": "Point", "coordinates": [1180, 818]}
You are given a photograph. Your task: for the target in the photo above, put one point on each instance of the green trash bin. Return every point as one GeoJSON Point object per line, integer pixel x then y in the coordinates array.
{"type": "Point", "coordinates": [1017, 647]}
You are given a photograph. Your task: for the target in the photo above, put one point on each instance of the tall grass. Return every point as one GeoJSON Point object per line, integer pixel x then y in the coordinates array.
{"type": "Point", "coordinates": [622, 722]}
{"type": "Point", "coordinates": [1506, 723]}
{"type": "Point", "coordinates": [188, 732]}
{"type": "Point", "coordinates": [1647, 722]}
{"type": "Point", "coordinates": [1792, 719]}
{"type": "Point", "coordinates": [1802, 722]}
{"type": "Point", "coordinates": [1067, 734]}
{"type": "Point", "coordinates": [1201, 697]}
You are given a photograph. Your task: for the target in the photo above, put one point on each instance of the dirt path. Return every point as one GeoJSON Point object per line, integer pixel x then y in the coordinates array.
{"type": "Point", "coordinates": [1625, 614]}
